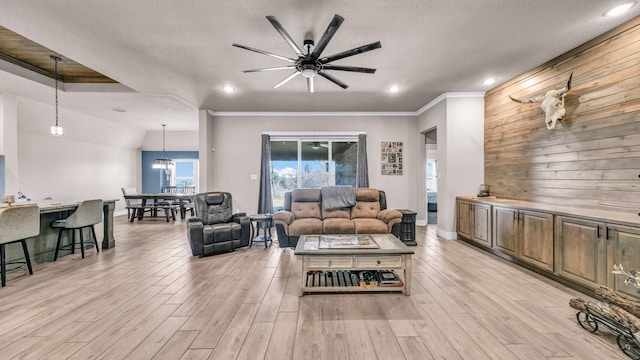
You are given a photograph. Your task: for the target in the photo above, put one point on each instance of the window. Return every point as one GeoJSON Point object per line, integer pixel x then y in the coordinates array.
{"type": "Point", "coordinates": [310, 163]}
{"type": "Point", "coordinates": [185, 173]}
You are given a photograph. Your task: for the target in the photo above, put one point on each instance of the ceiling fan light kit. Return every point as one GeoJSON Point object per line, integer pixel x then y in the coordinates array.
{"type": "Point", "coordinates": [311, 64]}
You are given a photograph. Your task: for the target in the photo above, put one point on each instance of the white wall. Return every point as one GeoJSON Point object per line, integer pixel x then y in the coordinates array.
{"type": "Point", "coordinates": [237, 142]}
{"type": "Point", "coordinates": [174, 140]}
{"type": "Point", "coordinates": [94, 158]}
{"type": "Point", "coordinates": [434, 117]}
{"type": "Point", "coordinates": [460, 123]}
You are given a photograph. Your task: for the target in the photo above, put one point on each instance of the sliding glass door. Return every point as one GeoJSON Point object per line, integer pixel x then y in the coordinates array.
{"type": "Point", "coordinates": [310, 163]}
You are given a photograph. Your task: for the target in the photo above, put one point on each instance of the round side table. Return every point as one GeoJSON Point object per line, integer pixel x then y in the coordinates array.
{"type": "Point", "coordinates": [263, 221]}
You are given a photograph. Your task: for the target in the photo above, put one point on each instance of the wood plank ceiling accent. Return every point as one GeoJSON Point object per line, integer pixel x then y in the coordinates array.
{"type": "Point", "coordinates": [23, 52]}
{"type": "Point", "coordinates": [592, 158]}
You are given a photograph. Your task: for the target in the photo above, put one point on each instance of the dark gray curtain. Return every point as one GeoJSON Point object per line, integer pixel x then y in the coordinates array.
{"type": "Point", "coordinates": [363, 170]}
{"type": "Point", "coordinates": [265, 199]}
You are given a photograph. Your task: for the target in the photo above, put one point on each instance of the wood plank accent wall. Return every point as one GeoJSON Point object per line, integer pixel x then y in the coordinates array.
{"type": "Point", "coordinates": [592, 158]}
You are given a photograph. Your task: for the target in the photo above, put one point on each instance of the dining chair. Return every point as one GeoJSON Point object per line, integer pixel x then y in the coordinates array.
{"type": "Point", "coordinates": [135, 207]}
{"type": "Point", "coordinates": [87, 214]}
{"type": "Point", "coordinates": [168, 205]}
{"type": "Point", "coordinates": [17, 223]}
{"type": "Point", "coordinates": [188, 204]}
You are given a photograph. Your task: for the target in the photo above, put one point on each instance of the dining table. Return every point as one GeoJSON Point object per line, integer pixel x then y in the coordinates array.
{"type": "Point", "coordinates": [181, 199]}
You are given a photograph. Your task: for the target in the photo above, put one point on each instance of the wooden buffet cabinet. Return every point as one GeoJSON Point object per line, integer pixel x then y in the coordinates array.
{"type": "Point", "coordinates": [572, 245]}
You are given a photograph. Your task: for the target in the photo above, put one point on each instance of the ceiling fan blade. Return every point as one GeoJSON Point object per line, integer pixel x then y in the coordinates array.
{"type": "Point", "coordinates": [350, 68]}
{"type": "Point", "coordinates": [264, 52]}
{"type": "Point", "coordinates": [287, 79]}
{"type": "Point", "coordinates": [276, 24]}
{"type": "Point", "coordinates": [354, 51]}
{"type": "Point", "coordinates": [310, 84]}
{"type": "Point", "coordinates": [270, 68]}
{"type": "Point", "coordinates": [332, 79]}
{"type": "Point", "coordinates": [328, 34]}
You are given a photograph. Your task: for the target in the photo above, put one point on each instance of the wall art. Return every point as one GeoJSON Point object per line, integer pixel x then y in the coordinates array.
{"type": "Point", "coordinates": [391, 157]}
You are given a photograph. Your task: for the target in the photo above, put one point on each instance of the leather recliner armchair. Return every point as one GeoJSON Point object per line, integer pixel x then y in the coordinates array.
{"type": "Point", "coordinates": [215, 228]}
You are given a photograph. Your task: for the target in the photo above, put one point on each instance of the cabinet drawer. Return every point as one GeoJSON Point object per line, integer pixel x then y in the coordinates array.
{"type": "Point", "coordinates": [372, 262]}
{"type": "Point", "coordinates": [325, 262]}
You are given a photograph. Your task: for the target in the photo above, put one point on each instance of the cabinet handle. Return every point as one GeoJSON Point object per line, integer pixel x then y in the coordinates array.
{"type": "Point", "coordinates": [378, 262]}
{"type": "Point", "coordinates": [598, 231]}
{"type": "Point", "coordinates": [329, 262]}
{"type": "Point", "coordinates": [608, 233]}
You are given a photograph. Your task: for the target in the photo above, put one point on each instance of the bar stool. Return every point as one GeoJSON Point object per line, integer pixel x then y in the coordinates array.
{"type": "Point", "coordinates": [17, 223]}
{"type": "Point", "coordinates": [88, 213]}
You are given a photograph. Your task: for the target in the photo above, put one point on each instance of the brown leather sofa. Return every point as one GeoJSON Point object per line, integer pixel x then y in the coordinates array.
{"type": "Point", "coordinates": [303, 214]}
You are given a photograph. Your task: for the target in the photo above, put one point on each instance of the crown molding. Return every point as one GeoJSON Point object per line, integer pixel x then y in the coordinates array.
{"type": "Point", "coordinates": [351, 113]}
{"type": "Point", "coordinates": [311, 113]}
{"type": "Point", "coordinates": [448, 95]}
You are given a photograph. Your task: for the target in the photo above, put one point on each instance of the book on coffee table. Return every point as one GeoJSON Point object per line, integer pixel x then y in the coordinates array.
{"type": "Point", "coordinates": [347, 242]}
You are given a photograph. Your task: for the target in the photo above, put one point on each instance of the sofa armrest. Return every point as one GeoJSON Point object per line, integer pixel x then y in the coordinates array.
{"type": "Point", "coordinates": [245, 227]}
{"type": "Point", "coordinates": [195, 227]}
{"type": "Point", "coordinates": [388, 215]}
{"type": "Point", "coordinates": [284, 216]}
{"type": "Point", "coordinates": [235, 216]}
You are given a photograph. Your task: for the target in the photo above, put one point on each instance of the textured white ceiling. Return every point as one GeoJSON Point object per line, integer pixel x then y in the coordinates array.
{"type": "Point", "coordinates": [177, 55]}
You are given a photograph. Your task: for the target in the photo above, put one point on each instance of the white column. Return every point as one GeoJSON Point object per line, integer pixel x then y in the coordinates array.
{"type": "Point", "coordinates": [204, 149]}
{"type": "Point", "coordinates": [9, 140]}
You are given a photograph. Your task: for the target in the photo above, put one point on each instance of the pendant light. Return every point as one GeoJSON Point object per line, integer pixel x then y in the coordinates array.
{"type": "Point", "coordinates": [56, 130]}
{"type": "Point", "coordinates": [164, 162]}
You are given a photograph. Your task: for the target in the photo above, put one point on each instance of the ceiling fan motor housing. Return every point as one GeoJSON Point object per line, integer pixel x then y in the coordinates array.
{"type": "Point", "coordinates": [311, 64]}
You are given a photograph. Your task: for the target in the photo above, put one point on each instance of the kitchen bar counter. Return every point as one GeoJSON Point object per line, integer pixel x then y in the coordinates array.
{"type": "Point", "coordinates": [42, 247]}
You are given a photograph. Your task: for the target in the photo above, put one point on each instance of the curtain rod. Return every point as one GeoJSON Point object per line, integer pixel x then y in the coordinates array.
{"type": "Point", "coordinates": [313, 134]}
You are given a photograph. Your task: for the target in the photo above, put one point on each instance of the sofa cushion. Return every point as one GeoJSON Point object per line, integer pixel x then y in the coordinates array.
{"type": "Point", "coordinates": [365, 209]}
{"type": "Point", "coordinates": [338, 226]}
{"type": "Point", "coordinates": [367, 194]}
{"type": "Point", "coordinates": [305, 227]}
{"type": "Point", "coordinates": [370, 226]}
{"type": "Point", "coordinates": [303, 210]}
{"type": "Point", "coordinates": [344, 213]}
{"type": "Point", "coordinates": [306, 195]}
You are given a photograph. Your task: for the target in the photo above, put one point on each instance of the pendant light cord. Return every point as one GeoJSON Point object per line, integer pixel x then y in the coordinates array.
{"type": "Point", "coordinates": [56, 73]}
{"type": "Point", "coordinates": [163, 137]}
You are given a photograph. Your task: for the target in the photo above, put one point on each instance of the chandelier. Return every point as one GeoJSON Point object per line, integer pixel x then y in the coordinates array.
{"type": "Point", "coordinates": [56, 130]}
{"type": "Point", "coordinates": [164, 161]}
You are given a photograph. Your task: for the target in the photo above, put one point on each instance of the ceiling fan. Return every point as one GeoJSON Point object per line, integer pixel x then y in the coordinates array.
{"type": "Point", "coordinates": [311, 63]}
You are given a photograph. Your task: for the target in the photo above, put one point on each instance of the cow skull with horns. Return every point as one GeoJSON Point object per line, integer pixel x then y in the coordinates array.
{"type": "Point", "coordinates": [552, 104]}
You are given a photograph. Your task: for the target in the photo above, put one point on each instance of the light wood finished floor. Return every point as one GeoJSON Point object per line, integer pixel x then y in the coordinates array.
{"type": "Point", "coordinates": [148, 298]}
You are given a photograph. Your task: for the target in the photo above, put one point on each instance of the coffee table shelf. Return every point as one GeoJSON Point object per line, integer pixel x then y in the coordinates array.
{"type": "Point", "coordinates": [332, 263]}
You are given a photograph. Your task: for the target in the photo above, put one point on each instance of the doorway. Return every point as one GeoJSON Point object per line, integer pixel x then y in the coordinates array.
{"type": "Point", "coordinates": [431, 146]}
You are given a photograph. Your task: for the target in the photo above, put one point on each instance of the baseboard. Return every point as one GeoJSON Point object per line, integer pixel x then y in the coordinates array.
{"type": "Point", "coordinates": [120, 213]}
{"type": "Point", "coordinates": [446, 234]}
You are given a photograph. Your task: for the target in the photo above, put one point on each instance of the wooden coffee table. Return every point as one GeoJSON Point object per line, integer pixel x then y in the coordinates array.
{"type": "Point", "coordinates": [333, 262]}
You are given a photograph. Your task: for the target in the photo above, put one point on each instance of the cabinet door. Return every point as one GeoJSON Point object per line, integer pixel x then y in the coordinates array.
{"type": "Point", "coordinates": [581, 251]}
{"type": "Point", "coordinates": [536, 239]}
{"type": "Point", "coordinates": [505, 230]}
{"type": "Point", "coordinates": [482, 224]}
{"type": "Point", "coordinates": [623, 248]}
{"type": "Point", "coordinates": [464, 219]}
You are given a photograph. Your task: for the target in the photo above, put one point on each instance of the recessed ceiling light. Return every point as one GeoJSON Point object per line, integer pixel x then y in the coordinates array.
{"type": "Point", "coordinates": [620, 9]}
{"type": "Point", "coordinates": [228, 89]}
{"type": "Point", "coordinates": [489, 81]}
{"type": "Point", "coordinates": [394, 88]}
